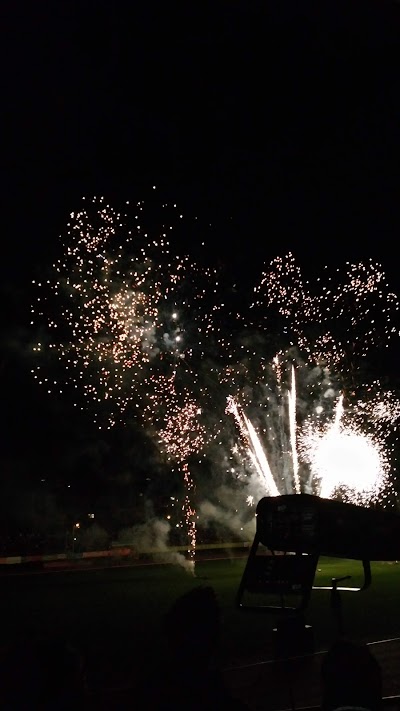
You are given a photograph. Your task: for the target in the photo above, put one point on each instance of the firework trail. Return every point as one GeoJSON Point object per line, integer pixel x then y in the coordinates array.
{"type": "Point", "coordinates": [266, 416]}
{"type": "Point", "coordinates": [264, 410]}
{"type": "Point", "coordinates": [254, 447]}
{"type": "Point", "coordinates": [180, 435]}
{"type": "Point", "coordinates": [292, 426]}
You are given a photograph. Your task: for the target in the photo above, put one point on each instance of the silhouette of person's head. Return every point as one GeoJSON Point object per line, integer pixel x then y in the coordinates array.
{"type": "Point", "coordinates": [351, 677]}
{"type": "Point", "coordinates": [52, 672]}
{"type": "Point", "coordinates": [192, 626]}
{"type": "Point", "coordinates": [187, 679]}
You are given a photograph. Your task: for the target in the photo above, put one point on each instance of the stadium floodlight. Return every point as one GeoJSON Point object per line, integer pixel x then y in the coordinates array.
{"type": "Point", "coordinates": [294, 530]}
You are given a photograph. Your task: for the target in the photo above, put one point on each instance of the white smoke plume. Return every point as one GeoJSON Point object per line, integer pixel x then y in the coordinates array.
{"type": "Point", "coordinates": [151, 539]}
{"type": "Point", "coordinates": [230, 514]}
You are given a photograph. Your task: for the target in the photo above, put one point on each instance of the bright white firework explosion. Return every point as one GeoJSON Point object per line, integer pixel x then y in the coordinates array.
{"type": "Point", "coordinates": [347, 459]}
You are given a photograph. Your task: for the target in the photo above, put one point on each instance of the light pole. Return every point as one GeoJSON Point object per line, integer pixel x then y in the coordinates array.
{"type": "Point", "coordinates": [74, 530]}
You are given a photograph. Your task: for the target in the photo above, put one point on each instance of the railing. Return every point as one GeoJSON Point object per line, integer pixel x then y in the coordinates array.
{"type": "Point", "coordinates": [388, 702]}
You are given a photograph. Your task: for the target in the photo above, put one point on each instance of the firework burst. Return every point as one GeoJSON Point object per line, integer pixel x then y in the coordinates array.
{"type": "Point", "coordinates": [320, 446]}
{"type": "Point", "coordinates": [137, 329]}
{"type": "Point", "coordinates": [128, 321]}
{"type": "Point", "coordinates": [326, 327]}
{"type": "Point", "coordinates": [119, 310]}
{"type": "Point", "coordinates": [345, 461]}
{"type": "Point", "coordinates": [335, 319]}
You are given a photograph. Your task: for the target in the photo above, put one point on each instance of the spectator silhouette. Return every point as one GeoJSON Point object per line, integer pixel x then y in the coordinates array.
{"type": "Point", "coordinates": [188, 680]}
{"type": "Point", "coordinates": [351, 678]}
{"type": "Point", "coordinates": [43, 675]}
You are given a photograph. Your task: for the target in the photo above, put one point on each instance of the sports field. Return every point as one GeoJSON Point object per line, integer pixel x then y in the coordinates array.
{"type": "Point", "coordinates": [114, 615]}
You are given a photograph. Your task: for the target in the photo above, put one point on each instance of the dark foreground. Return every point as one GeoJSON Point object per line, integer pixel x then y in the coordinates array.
{"type": "Point", "coordinates": [113, 617]}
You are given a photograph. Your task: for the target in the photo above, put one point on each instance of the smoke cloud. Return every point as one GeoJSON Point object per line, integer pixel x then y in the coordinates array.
{"type": "Point", "coordinates": [230, 515]}
{"type": "Point", "coordinates": [151, 539]}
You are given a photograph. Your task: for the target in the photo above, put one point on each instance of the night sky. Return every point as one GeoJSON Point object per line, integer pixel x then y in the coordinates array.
{"type": "Point", "coordinates": [283, 116]}
{"type": "Point", "coordinates": [278, 123]}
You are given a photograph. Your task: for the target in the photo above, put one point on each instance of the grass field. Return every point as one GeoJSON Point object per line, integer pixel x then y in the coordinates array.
{"type": "Point", "coordinates": [112, 614]}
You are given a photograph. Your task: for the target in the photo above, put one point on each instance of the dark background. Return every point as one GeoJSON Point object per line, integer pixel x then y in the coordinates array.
{"type": "Point", "coordinates": [284, 115]}
{"type": "Point", "coordinates": [275, 122]}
